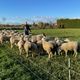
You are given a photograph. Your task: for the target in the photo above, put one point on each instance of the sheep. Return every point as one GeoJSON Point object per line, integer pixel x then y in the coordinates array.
{"type": "Point", "coordinates": [36, 38]}
{"type": "Point", "coordinates": [34, 48]}
{"type": "Point", "coordinates": [30, 45]}
{"type": "Point", "coordinates": [1, 38]}
{"type": "Point", "coordinates": [14, 40]}
{"type": "Point", "coordinates": [70, 45]}
{"type": "Point", "coordinates": [21, 44]}
{"type": "Point", "coordinates": [39, 36]}
{"type": "Point", "coordinates": [6, 34]}
{"type": "Point", "coordinates": [27, 45]}
{"type": "Point", "coordinates": [40, 48]}
{"type": "Point", "coordinates": [47, 46]}
{"type": "Point", "coordinates": [50, 40]}
{"type": "Point", "coordinates": [55, 48]}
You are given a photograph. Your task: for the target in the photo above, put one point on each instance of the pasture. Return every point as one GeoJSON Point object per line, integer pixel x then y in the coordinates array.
{"type": "Point", "coordinates": [16, 67]}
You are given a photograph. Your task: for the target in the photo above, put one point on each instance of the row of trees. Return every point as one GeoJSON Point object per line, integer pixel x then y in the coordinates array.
{"type": "Point", "coordinates": [39, 25]}
{"type": "Point", "coordinates": [42, 25]}
{"type": "Point", "coordinates": [61, 23]}
{"type": "Point", "coordinates": [8, 26]}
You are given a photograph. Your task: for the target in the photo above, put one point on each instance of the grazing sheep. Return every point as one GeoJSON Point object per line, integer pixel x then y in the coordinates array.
{"type": "Point", "coordinates": [21, 44]}
{"type": "Point", "coordinates": [30, 46]}
{"type": "Point", "coordinates": [34, 49]}
{"type": "Point", "coordinates": [40, 47]}
{"type": "Point", "coordinates": [36, 38]}
{"type": "Point", "coordinates": [27, 45]}
{"type": "Point", "coordinates": [55, 49]}
{"type": "Point", "coordinates": [47, 46]}
{"type": "Point", "coordinates": [4, 37]}
{"type": "Point", "coordinates": [69, 46]}
{"type": "Point", "coordinates": [39, 36]}
{"type": "Point", "coordinates": [14, 40]}
{"type": "Point", "coordinates": [1, 38]}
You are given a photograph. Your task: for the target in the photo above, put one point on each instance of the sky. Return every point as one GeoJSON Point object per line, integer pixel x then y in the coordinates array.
{"type": "Point", "coordinates": [19, 11]}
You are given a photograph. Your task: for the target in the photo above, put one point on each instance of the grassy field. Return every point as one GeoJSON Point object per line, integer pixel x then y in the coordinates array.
{"type": "Point", "coordinates": [71, 33]}
{"type": "Point", "coordinates": [16, 67]}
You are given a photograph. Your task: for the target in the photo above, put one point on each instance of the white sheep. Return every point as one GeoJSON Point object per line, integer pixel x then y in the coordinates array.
{"type": "Point", "coordinates": [47, 46]}
{"type": "Point", "coordinates": [27, 46]}
{"type": "Point", "coordinates": [36, 38]}
{"type": "Point", "coordinates": [30, 45]}
{"type": "Point", "coordinates": [21, 44]}
{"type": "Point", "coordinates": [1, 38]}
{"type": "Point", "coordinates": [71, 45]}
{"type": "Point", "coordinates": [14, 40]}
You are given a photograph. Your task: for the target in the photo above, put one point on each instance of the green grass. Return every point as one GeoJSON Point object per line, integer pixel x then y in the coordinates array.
{"type": "Point", "coordinates": [71, 33]}
{"type": "Point", "coordinates": [16, 67]}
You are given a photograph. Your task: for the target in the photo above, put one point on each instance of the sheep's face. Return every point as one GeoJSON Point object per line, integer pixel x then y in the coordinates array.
{"type": "Point", "coordinates": [44, 38]}
{"type": "Point", "coordinates": [56, 38]}
{"type": "Point", "coordinates": [58, 42]}
{"type": "Point", "coordinates": [27, 39]}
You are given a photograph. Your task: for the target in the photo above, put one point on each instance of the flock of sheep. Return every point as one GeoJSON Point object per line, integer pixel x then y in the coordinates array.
{"type": "Point", "coordinates": [38, 44]}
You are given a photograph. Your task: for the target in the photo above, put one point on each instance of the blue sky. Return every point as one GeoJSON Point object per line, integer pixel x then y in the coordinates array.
{"type": "Point", "coordinates": [21, 10]}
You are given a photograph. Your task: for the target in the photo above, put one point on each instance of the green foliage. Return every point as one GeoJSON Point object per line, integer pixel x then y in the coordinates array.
{"type": "Point", "coordinates": [68, 23]}
{"type": "Point", "coordinates": [43, 25]}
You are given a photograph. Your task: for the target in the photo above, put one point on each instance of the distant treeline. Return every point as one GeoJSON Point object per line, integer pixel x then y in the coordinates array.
{"type": "Point", "coordinates": [68, 23]}
{"type": "Point", "coordinates": [11, 27]}
{"type": "Point", "coordinates": [39, 25]}
{"type": "Point", "coordinates": [60, 23]}
{"type": "Point", "coordinates": [43, 25]}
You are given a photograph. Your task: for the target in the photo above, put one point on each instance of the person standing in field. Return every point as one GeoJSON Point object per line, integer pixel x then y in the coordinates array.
{"type": "Point", "coordinates": [27, 29]}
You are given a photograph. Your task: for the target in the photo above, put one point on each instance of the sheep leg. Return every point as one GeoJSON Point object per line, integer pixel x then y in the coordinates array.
{"type": "Point", "coordinates": [59, 52]}
{"type": "Point", "coordinates": [66, 52]}
{"type": "Point", "coordinates": [20, 49]}
{"type": "Point", "coordinates": [1, 41]}
{"type": "Point", "coordinates": [55, 53]}
{"type": "Point", "coordinates": [50, 54]}
{"type": "Point", "coordinates": [75, 52]}
{"type": "Point", "coordinates": [11, 46]}
{"type": "Point", "coordinates": [27, 50]}
{"type": "Point", "coordinates": [32, 54]}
